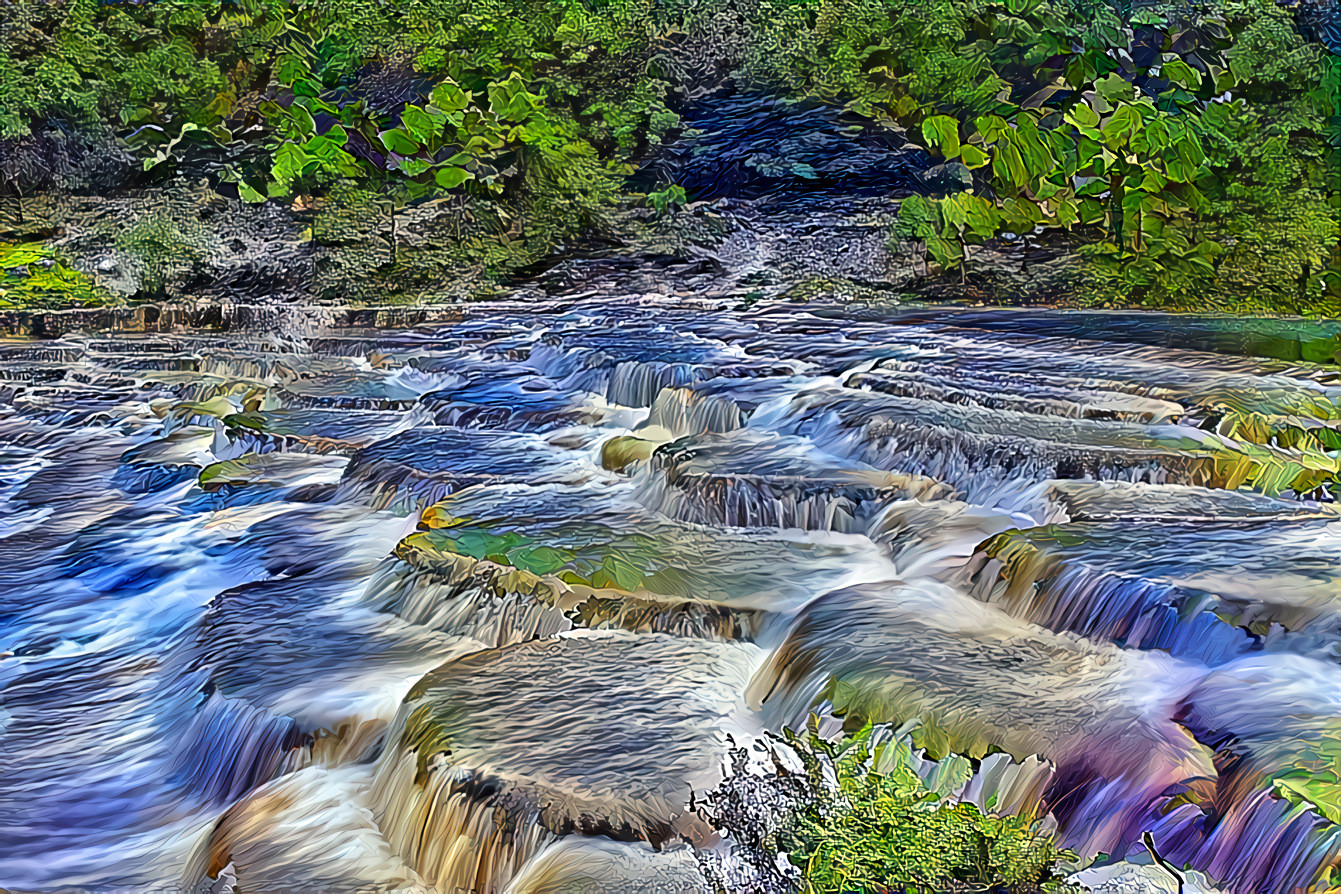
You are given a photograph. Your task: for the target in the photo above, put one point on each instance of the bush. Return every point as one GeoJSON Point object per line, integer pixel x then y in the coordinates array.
{"type": "Point", "coordinates": [858, 818]}
{"type": "Point", "coordinates": [1315, 779]}
{"type": "Point", "coordinates": [34, 276]}
{"type": "Point", "coordinates": [163, 249]}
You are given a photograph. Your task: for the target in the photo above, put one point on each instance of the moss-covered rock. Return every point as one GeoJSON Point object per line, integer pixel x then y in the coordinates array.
{"type": "Point", "coordinates": [621, 452]}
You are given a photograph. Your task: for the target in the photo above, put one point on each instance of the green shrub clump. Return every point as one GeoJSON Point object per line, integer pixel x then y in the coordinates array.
{"type": "Point", "coordinates": [884, 830]}
{"type": "Point", "coordinates": [36, 277]}
{"type": "Point", "coordinates": [857, 818]}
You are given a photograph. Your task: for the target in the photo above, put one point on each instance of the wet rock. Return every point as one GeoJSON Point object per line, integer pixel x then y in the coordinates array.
{"type": "Point", "coordinates": [167, 461]}
{"type": "Point", "coordinates": [322, 431]}
{"type": "Point", "coordinates": [618, 453]}
{"type": "Point", "coordinates": [509, 564]}
{"type": "Point", "coordinates": [950, 177]}
{"type": "Point", "coordinates": [309, 831]}
{"type": "Point", "coordinates": [1101, 501]}
{"type": "Point", "coordinates": [1208, 590]}
{"type": "Point", "coordinates": [482, 772]}
{"type": "Point", "coordinates": [502, 404]}
{"type": "Point", "coordinates": [423, 465]}
{"type": "Point", "coordinates": [893, 652]}
{"type": "Point", "coordinates": [1135, 878]}
{"type": "Point", "coordinates": [755, 479]}
{"type": "Point", "coordinates": [987, 454]}
{"type": "Point", "coordinates": [1073, 402]}
{"type": "Point", "coordinates": [291, 472]}
{"type": "Point", "coordinates": [597, 866]}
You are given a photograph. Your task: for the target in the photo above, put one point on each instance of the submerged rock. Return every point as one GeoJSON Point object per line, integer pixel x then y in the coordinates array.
{"type": "Point", "coordinates": [423, 465]}
{"type": "Point", "coordinates": [308, 831]}
{"type": "Point", "coordinates": [483, 768]}
{"type": "Point", "coordinates": [1207, 590]}
{"type": "Point", "coordinates": [620, 452]}
{"type": "Point", "coordinates": [506, 564]}
{"type": "Point", "coordinates": [754, 479]}
{"type": "Point", "coordinates": [893, 652]}
{"type": "Point", "coordinates": [599, 866]}
{"type": "Point", "coordinates": [319, 430]}
{"type": "Point", "coordinates": [310, 473]}
{"type": "Point", "coordinates": [991, 455]}
{"type": "Point", "coordinates": [1103, 501]}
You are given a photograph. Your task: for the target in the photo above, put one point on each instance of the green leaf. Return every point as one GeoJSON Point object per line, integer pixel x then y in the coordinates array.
{"type": "Point", "coordinates": [302, 120]}
{"type": "Point", "coordinates": [510, 99]}
{"type": "Point", "coordinates": [982, 216]}
{"type": "Point", "coordinates": [1179, 171]}
{"type": "Point", "coordinates": [1223, 79]}
{"type": "Point", "coordinates": [972, 157]}
{"type": "Point", "coordinates": [1190, 151]}
{"type": "Point", "coordinates": [1067, 214]}
{"type": "Point", "coordinates": [942, 131]}
{"type": "Point", "coordinates": [288, 163]}
{"type": "Point", "coordinates": [451, 177]}
{"type": "Point", "coordinates": [1063, 149]}
{"type": "Point", "coordinates": [249, 195]}
{"type": "Point", "coordinates": [992, 127]}
{"type": "Point", "coordinates": [1091, 211]}
{"type": "Point", "coordinates": [1180, 73]}
{"type": "Point", "coordinates": [947, 254]}
{"type": "Point", "coordinates": [1115, 88]}
{"type": "Point", "coordinates": [1008, 165]}
{"type": "Point", "coordinates": [422, 125]}
{"type": "Point", "coordinates": [1152, 182]}
{"type": "Point", "coordinates": [413, 167]}
{"type": "Point", "coordinates": [292, 68]}
{"type": "Point", "coordinates": [917, 218]}
{"type": "Point", "coordinates": [1082, 115]}
{"type": "Point", "coordinates": [322, 147]}
{"type": "Point", "coordinates": [1120, 126]}
{"type": "Point", "coordinates": [398, 141]}
{"type": "Point", "coordinates": [1087, 151]}
{"type": "Point", "coordinates": [953, 212]}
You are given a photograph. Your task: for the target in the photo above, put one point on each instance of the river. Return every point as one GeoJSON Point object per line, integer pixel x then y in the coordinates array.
{"type": "Point", "coordinates": [476, 604]}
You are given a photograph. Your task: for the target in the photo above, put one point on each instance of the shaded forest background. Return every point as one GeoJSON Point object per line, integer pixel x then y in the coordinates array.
{"type": "Point", "coordinates": [1185, 155]}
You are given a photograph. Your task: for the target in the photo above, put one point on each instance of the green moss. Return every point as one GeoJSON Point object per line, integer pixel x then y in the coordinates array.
{"type": "Point", "coordinates": [590, 557]}
{"type": "Point", "coordinates": [35, 276]}
{"type": "Point", "coordinates": [1315, 779]}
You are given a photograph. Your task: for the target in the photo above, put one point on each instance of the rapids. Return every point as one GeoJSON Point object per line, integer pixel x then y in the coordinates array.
{"type": "Point", "coordinates": [483, 604]}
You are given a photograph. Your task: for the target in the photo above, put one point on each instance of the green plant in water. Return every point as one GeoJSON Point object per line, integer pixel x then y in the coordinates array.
{"type": "Point", "coordinates": [885, 831]}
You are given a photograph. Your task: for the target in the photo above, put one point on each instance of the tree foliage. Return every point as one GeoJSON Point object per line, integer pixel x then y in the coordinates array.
{"type": "Point", "coordinates": [1193, 147]}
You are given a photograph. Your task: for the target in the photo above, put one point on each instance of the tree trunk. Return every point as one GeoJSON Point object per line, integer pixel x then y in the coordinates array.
{"type": "Point", "coordinates": [1115, 196]}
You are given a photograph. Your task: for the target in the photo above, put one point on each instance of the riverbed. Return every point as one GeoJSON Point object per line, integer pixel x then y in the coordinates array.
{"type": "Point", "coordinates": [480, 603]}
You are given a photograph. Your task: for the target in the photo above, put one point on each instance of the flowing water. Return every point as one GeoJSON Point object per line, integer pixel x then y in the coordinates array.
{"type": "Point", "coordinates": [480, 604]}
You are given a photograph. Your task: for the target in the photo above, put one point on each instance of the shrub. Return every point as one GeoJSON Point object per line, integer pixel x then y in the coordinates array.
{"type": "Point", "coordinates": [858, 818]}
{"type": "Point", "coordinates": [163, 249]}
{"type": "Point", "coordinates": [35, 276]}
